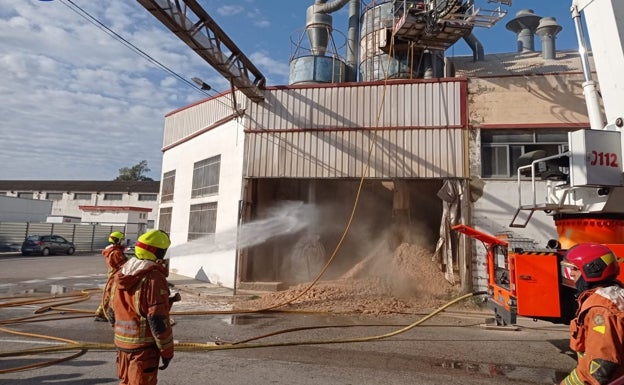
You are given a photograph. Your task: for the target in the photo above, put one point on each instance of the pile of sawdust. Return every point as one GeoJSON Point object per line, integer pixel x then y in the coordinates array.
{"type": "Point", "coordinates": [405, 281]}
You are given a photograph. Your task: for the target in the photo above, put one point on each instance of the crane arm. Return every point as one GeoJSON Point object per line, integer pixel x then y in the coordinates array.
{"type": "Point", "coordinates": [192, 24]}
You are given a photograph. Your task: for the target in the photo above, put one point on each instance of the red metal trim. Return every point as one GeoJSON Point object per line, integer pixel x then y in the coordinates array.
{"type": "Point", "coordinates": [270, 131]}
{"type": "Point", "coordinates": [114, 208]}
{"type": "Point", "coordinates": [509, 126]}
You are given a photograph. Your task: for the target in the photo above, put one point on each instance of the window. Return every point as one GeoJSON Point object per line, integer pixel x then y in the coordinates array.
{"type": "Point", "coordinates": [112, 197]}
{"type": "Point", "coordinates": [164, 219]}
{"type": "Point", "coordinates": [500, 149]}
{"type": "Point", "coordinates": [54, 196]}
{"type": "Point", "coordinates": [3, 193]}
{"type": "Point", "coordinates": [168, 184]}
{"type": "Point", "coordinates": [82, 196]}
{"type": "Point", "coordinates": [206, 177]}
{"type": "Point", "coordinates": [202, 220]}
{"type": "Point", "coordinates": [27, 195]}
{"type": "Point", "coordinates": [147, 197]}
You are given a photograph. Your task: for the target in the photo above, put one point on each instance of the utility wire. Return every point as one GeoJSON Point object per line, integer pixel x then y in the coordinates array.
{"type": "Point", "coordinates": [93, 20]}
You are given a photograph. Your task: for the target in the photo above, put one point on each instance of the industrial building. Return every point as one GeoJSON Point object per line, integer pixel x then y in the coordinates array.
{"type": "Point", "coordinates": [395, 143]}
{"type": "Point", "coordinates": [132, 204]}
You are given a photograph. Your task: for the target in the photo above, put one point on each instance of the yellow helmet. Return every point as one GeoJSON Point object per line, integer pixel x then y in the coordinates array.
{"type": "Point", "coordinates": [152, 245]}
{"type": "Point", "coordinates": [116, 237]}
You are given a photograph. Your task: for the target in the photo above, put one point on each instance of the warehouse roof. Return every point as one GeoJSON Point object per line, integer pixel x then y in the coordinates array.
{"type": "Point", "coordinates": [80, 186]}
{"type": "Point", "coordinates": [525, 63]}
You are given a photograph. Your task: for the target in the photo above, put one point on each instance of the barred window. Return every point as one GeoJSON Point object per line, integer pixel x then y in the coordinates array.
{"type": "Point", "coordinates": [501, 149]}
{"type": "Point", "coordinates": [206, 177]}
{"type": "Point", "coordinates": [54, 196]}
{"type": "Point", "coordinates": [82, 196]}
{"type": "Point", "coordinates": [202, 220]}
{"type": "Point", "coordinates": [168, 185]}
{"type": "Point", "coordinates": [164, 219]}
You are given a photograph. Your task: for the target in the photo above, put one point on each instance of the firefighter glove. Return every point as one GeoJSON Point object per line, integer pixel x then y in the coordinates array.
{"type": "Point", "coordinates": [165, 363]}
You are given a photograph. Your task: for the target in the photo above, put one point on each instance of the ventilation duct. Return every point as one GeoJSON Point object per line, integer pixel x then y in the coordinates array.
{"type": "Point", "coordinates": [524, 25]}
{"type": "Point", "coordinates": [547, 30]}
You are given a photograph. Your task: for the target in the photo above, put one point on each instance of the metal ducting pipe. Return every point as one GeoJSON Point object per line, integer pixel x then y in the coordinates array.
{"type": "Point", "coordinates": [321, 6]}
{"type": "Point", "coordinates": [319, 24]}
{"type": "Point", "coordinates": [352, 40]}
{"type": "Point", "coordinates": [547, 30]}
{"type": "Point", "coordinates": [478, 53]}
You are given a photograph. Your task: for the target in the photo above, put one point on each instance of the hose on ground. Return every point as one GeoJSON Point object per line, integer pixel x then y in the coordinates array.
{"type": "Point", "coordinates": [212, 346]}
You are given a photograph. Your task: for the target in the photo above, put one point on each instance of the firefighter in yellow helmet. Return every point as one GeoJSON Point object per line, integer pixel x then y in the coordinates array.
{"type": "Point", "coordinates": [139, 312]}
{"type": "Point", "coordinates": [115, 258]}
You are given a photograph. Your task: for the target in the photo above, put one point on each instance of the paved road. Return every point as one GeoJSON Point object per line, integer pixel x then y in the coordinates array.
{"type": "Point", "coordinates": [449, 349]}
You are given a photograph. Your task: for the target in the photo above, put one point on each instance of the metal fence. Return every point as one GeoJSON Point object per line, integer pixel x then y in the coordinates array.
{"type": "Point", "coordinates": [86, 237]}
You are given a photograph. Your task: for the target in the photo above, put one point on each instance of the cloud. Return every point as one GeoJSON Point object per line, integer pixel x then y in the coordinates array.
{"type": "Point", "coordinates": [269, 65]}
{"type": "Point", "coordinates": [230, 10]}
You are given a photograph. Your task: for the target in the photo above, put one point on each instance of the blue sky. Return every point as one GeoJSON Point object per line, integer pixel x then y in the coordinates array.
{"type": "Point", "coordinates": [79, 105]}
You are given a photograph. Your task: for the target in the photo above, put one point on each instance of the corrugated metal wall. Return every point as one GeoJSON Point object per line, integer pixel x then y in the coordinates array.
{"type": "Point", "coordinates": [404, 104]}
{"type": "Point", "coordinates": [409, 130]}
{"type": "Point", "coordinates": [417, 129]}
{"type": "Point", "coordinates": [188, 121]}
{"type": "Point", "coordinates": [340, 154]}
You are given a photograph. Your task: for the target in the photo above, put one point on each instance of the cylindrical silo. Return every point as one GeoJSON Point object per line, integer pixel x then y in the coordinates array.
{"type": "Point", "coordinates": [375, 42]}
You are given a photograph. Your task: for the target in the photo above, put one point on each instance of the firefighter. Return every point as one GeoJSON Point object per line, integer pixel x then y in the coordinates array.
{"type": "Point", "coordinates": [139, 312]}
{"type": "Point", "coordinates": [115, 258]}
{"type": "Point", "coordinates": [597, 331]}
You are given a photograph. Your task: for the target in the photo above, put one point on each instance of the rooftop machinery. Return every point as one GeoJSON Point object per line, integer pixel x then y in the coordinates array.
{"type": "Point", "coordinates": [398, 38]}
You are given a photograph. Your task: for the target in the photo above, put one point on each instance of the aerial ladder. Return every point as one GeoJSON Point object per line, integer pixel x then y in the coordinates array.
{"type": "Point", "coordinates": [586, 199]}
{"type": "Point", "coordinates": [192, 24]}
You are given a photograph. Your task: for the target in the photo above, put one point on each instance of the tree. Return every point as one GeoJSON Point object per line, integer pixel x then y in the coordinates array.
{"type": "Point", "coordinates": [134, 173]}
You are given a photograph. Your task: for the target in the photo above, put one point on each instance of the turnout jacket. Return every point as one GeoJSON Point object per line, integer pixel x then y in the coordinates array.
{"type": "Point", "coordinates": [597, 336]}
{"type": "Point", "coordinates": [115, 258]}
{"type": "Point", "coordinates": [140, 308]}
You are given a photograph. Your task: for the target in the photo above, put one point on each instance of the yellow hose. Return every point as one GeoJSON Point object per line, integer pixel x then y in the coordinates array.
{"type": "Point", "coordinates": [200, 346]}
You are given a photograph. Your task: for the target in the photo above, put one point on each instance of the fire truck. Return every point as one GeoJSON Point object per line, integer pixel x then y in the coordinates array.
{"type": "Point", "coordinates": [585, 200]}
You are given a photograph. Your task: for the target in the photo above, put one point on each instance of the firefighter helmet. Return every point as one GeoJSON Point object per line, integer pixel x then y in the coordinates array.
{"type": "Point", "coordinates": [152, 245]}
{"type": "Point", "coordinates": [596, 262]}
{"type": "Point", "coordinates": [116, 237]}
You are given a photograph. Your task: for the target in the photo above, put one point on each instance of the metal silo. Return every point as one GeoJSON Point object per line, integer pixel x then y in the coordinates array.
{"type": "Point", "coordinates": [381, 59]}
{"type": "Point", "coordinates": [315, 57]}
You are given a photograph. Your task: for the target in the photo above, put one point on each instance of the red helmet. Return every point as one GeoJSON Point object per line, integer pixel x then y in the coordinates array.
{"type": "Point", "coordinates": [595, 261]}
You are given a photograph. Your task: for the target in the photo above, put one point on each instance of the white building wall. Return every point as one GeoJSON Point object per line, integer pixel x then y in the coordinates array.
{"type": "Point", "coordinates": [493, 213]}
{"type": "Point", "coordinates": [13, 209]}
{"type": "Point", "coordinates": [68, 206]}
{"type": "Point", "coordinates": [212, 261]}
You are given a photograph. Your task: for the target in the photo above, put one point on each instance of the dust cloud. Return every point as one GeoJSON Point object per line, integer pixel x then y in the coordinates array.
{"type": "Point", "coordinates": [398, 275]}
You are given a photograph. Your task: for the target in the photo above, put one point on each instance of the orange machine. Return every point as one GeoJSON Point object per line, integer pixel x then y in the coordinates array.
{"type": "Point", "coordinates": [528, 283]}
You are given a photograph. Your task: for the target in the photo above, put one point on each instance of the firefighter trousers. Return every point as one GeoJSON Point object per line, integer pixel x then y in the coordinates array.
{"type": "Point", "coordinates": [138, 368]}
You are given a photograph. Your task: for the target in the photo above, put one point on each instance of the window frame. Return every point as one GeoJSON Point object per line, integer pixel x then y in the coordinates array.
{"type": "Point", "coordinates": [206, 177]}
{"type": "Point", "coordinates": [492, 166]}
{"type": "Point", "coordinates": [168, 186]}
{"type": "Point", "coordinates": [202, 220]}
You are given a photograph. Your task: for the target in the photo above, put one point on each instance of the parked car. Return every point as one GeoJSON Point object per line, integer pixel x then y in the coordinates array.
{"type": "Point", "coordinates": [129, 250]}
{"type": "Point", "coordinates": [46, 245]}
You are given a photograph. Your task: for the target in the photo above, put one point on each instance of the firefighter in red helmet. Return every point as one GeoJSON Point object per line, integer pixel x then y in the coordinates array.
{"type": "Point", "coordinates": [597, 331]}
{"type": "Point", "coordinates": [139, 312]}
{"type": "Point", "coordinates": [115, 258]}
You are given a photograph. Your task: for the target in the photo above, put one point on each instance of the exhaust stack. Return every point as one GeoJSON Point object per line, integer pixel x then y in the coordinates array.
{"type": "Point", "coordinates": [547, 30]}
{"type": "Point", "coordinates": [524, 25]}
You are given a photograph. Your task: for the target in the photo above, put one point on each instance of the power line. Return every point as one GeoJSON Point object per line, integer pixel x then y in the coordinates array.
{"type": "Point", "coordinates": [93, 20]}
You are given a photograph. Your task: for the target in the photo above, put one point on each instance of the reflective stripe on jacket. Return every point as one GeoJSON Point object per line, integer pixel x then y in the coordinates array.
{"type": "Point", "coordinates": [597, 335]}
{"type": "Point", "coordinates": [140, 304]}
